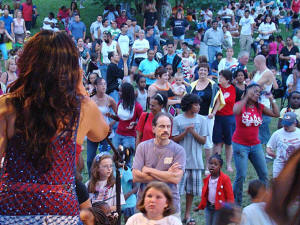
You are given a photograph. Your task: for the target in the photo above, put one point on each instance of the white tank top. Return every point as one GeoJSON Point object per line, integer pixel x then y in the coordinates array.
{"type": "Point", "coordinates": [267, 88]}
{"type": "Point", "coordinates": [106, 49]}
{"type": "Point", "coordinates": [142, 99]}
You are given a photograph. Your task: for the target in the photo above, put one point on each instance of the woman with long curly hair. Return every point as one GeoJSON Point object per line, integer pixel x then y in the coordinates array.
{"type": "Point", "coordinates": [43, 121]}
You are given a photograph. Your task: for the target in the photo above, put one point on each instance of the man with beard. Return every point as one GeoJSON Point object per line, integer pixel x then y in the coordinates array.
{"type": "Point", "coordinates": [160, 159]}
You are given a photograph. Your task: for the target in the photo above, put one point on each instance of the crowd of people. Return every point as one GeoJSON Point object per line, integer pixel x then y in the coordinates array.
{"type": "Point", "coordinates": [167, 102]}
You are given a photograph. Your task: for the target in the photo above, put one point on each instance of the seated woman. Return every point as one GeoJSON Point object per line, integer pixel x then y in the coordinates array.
{"type": "Point", "coordinates": [156, 206]}
{"type": "Point", "coordinates": [233, 27]}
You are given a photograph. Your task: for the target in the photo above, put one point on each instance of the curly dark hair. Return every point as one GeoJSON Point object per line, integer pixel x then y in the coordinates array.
{"type": "Point", "coordinates": [44, 96]}
{"type": "Point", "coordinates": [188, 100]}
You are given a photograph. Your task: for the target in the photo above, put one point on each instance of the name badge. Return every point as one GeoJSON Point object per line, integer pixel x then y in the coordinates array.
{"type": "Point", "coordinates": [168, 160]}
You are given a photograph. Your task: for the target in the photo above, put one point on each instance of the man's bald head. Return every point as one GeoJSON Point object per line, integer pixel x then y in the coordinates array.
{"type": "Point", "coordinates": [259, 60]}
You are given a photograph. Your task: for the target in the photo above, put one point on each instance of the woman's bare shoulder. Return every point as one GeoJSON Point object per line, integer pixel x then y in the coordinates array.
{"type": "Point", "coordinates": [5, 106]}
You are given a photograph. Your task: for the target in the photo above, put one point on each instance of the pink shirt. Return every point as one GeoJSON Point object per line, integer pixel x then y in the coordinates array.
{"type": "Point", "coordinates": [212, 189]}
{"type": "Point", "coordinates": [273, 48]}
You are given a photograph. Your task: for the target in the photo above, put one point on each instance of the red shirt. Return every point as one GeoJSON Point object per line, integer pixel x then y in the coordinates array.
{"type": "Point", "coordinates": [247, 126]}
{"type": "Point", "coordinates": [224, 191]}
{"type": "Point", "coordinates": [120, 20]}
{"type": "Point", "coordinates": [27, 11]}
{"type": "Point", "coordinates": [123, 124]}
{"type": "Point", "coordinates": [229, 96]}
{"type": "Point", "coordinates": [296, 6]}
{"type": "Point", "coordinates": [145, 128]}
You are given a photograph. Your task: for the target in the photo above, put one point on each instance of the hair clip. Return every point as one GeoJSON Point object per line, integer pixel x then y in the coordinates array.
{"type": "Point", "coordinates": [98, 156]}
{"type": "Point", "coordinates": [160, 96]}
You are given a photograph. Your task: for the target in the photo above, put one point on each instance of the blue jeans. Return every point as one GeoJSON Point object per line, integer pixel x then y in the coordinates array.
{"type": "Point", "coordinates": [92, 150]}
{"type": "Point", "coordinates": [103, 70]}
{"type": "Point", "coordinates": [212, 51]}
{"type": "Point", "coordinates": [264, 131]}
{"type": "Point", "coordinates": [125, 141]}
{"type": "Point", "coordinates": [115, 95]}
{"type": "Point", "coordinates": [210, 215]}
{"type": "Point", "coordinates": [241, 154]}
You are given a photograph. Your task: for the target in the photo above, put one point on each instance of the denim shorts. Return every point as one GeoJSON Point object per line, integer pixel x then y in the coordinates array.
{"type": "Point", "coordinates": [180, 38]}
{"type": "Point", "coordinates": [223, 129]}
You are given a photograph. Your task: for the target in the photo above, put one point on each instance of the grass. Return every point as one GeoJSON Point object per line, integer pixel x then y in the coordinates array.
{"type": "Point", "coordinates": [89, 15]}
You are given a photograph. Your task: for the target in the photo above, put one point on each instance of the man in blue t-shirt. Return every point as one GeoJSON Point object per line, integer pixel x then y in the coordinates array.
{"type": "Point", "coordinates": [77, 28]}
{"type": "Point", "coordinates": [150, 37]}
{"type": "Point", "coordinates": [8, 20]}
{"type": "Point", "coordinates": [148, 66]}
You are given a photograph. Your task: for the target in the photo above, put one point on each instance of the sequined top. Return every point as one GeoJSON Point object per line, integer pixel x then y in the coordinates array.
{"type": "Point", "coordinates": [25, 190]}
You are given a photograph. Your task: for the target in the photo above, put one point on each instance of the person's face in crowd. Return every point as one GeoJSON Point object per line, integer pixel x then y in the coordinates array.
{"type": "Point", "coordinates": [155, 203]}
{"type": "Point", "coordinates": [247, 14]}
{"type": "Point", "coordinates": [80, 42]}
{"type": "Point", "coordinates": [124, 29]}
{"type": "Point", "coordinates": [224, 28]}
{"type": "Point", "coordinates": [254, 93]}
{"type": "Point", "coordinates": [179, 15]}
{"type": "Point", "coordinates": [170, 49]}
{"type": "Point", "coordinates": [142, 83]}
{"type": "Point", "coordinates": [162, 130]}
{"type": "Point", "coordinates": [214, 167]}
{"type": "Point", "coordinates": [244, 60]}
{"type": "Point", "coordinates": [154, 106]}
{"type": "Point", "coordinates": [179, 80]}
{"type": "Point", "coordinates": [195, 108]}
{"type": "Point", "coordinates": [105, 168]}
{"type": "Point", "coordinates": [215, 25]}
{"type": "Point", "coordinates": [290, 128]}
{"type": "Point", "coordinates": [28, 1]}
{"type": "Point", "coordinates": [150, 32]}
{"type": "Point", "coordinates": [223, 81]}
{"type": "Point", "coordinates": [169, 69]}
{"type": "Point", "coordinates": [128, 22]}
{"type": "Point", "coordinates": [116, 57]}
{"type": "Point", "coordinates": [12, 66]}
{"type": "Point", "coordinates": [133, 23]}
{"type": "Point", "coordinates": [92, 78]}
{"type": "Point", "coordinates": [229, 52]}
{"type": "Point", "coordinates": [101, 86]}
{"type": "Point", "coordinates": [123, 13]}
{"type": "Point", "coordinates": [6, 12]}
{"type": "Point", "coordinates": [19, 14]}
{"type": "Point", "coordinates": [295, 101]}
{"type": "Point", "coordinates": [203, 73]}
{"type": "Point", "coordinates": [265, 50]}
{"type": "Point", "coordinates": [99, 19]}
{"type": "Point", "coordinates": [150, 55]}
{"type": "Point", "coordinates": [268, 19]}
{"type": "Point", "coordinates": [219, 57]}
{"type": "Point", "coordinates": [105, 24]}
{"type": "Point", "coordinates": [274, 71]}
{"type": "Point", "coordinates": [97, 47]}
{"type": "Point", "coordinates": [106, 37]}
{"type": "Point", "coordinates": [289, 42]}
{"type": "Point", "coordinates": [113, 24]}
{"type": "Point", "coordinates": [141, 35]}
{"type": "Point", "coordinates": [77, 18]}
{"type": "Point", "coordinates": [165, 77]}
{"type": "Point", "coordinates": [240, 78]}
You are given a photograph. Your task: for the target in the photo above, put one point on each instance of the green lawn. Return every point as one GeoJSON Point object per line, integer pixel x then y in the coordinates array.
{"type": "Point", "coordinates": [88, 16]}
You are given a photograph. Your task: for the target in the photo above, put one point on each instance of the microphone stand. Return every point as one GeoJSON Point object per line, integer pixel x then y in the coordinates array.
{"type": "Point", "coordinates": [119, 163]}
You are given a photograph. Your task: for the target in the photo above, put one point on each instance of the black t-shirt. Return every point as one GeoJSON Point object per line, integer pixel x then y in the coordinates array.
{"type": "Point", "coordinates": [150, 18]}
{"type": "Point", "coordinates": [239, 93]}
{"type": "Point", "coordinates": [206, 95]}
{"type": "Point", "coordinates": [179, 26]}
{"type": "Point", "coordinates": [81, 192]}
{"type": "Point", "coordinates": [113, 74]}
{"type": "Point", "coordinates": [286, 52]}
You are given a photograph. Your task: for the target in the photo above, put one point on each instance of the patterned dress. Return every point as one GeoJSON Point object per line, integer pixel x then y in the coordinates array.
{"type": "Point", "coordinates": [30, 196]}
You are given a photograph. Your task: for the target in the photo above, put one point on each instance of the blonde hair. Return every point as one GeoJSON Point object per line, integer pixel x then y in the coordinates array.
{"type": "Point", "coordinates": [178, 75]}
{"type": "Point", "coordinates": [8, 62]}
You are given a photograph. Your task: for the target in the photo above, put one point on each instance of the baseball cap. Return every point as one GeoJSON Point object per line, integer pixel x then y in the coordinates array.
{"type": "Point", "coordinates": [289, 119]}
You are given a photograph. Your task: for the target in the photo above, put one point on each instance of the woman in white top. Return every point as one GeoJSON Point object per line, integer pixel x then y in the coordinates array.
{"type": "Point", "coordinates": [10, 75]}
{"type": "Point", "coordinates": [266, 28]}
{"type": "Point", "coordinates": [156, 207]}
{"type": "Point", "coordinates": [229, 62]}
{"type": "Point", "coordinates": [19, 28]}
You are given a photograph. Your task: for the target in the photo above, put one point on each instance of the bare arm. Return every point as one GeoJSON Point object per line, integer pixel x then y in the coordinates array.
{"type": "Point", "coordinates": [173, 175]}
{"type": "Point", "coordinates": [199, 139]}
{"type": "Point", "coordinates": [178, 138]}
{"type": "Point", "coordinates": [138, 138]}
{"type": "Point", "coordinates": [274, 112]}
{"type": "Point", "coordinates": [141, 177]}
{"type": "Point", "coordinates": [237, 108]}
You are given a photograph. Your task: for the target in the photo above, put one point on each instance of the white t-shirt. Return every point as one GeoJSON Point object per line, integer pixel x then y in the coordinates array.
{"type": "Point", "coordinates": [141, 219]}
{"type": "Point", "coordinates": [212, 189]}
{"type": "Point", "coordinates": [124, 42]}
{"type": "Point", "coordinates": [106, 49]}
{"type": "Point", "coordinates": [229, 13]}
{"type": "Point", "coordinates": [225, 65]}
{"type": "Point", "coordinates": [254, 214]}
{"type": "Point", "coordinates": [284, 144]}
{"type": "Point", "coordinates": [139, 45]}
{"type": "Point", "coordinates": [266, 27]}
{"type": "Point", "coordinates": [104, 193]}
{"type": "Point", "coordinates": [48, 26]}
{"type": "Point", "coordinates": [246, 24]}
{"type": "Point", "coordinates": [95, 27]}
